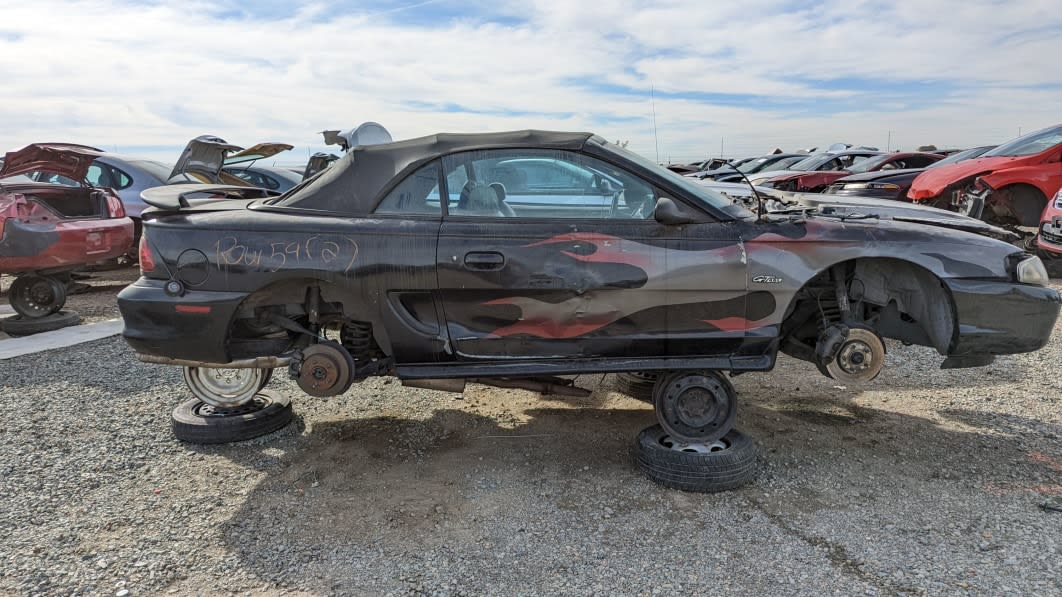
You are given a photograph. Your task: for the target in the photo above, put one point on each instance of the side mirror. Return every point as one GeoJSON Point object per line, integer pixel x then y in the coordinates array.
{"type": "Point", "coordinates": [671, 213]}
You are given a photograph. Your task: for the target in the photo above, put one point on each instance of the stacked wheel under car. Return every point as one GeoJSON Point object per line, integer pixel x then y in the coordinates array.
{"type": "Point", "coordinates": [38, 301]}
{"type": "Point", "coordinates": [694, 446]}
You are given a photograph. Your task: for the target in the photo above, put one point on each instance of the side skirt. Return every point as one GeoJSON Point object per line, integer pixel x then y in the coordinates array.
{"type": "Point", "coordinates": [582, 366]}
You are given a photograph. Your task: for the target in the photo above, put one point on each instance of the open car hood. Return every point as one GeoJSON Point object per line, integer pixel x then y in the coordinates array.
{"type": "Point", "coordinates": [318, 162]}
{"type": "Point", "coordinates": [205, 156]}
{"type": "Point", "coordinates": [257, 152]}
{"type": "Point", "coordinates": [65, 159]}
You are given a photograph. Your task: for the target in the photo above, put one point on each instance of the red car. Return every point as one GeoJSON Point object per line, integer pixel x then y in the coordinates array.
{"type": "Point", "coordinates": [817, 181]}
{"type": "Point", "coordinates": [1049, 235]}
{"type": "Point", "coordinates": [1008, 185]}
{"type": "Point", "coordinates": [49, 230]}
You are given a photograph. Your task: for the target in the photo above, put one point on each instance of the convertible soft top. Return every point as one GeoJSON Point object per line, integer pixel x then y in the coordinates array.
{"type": "Point", "coordinates": [354, 182]}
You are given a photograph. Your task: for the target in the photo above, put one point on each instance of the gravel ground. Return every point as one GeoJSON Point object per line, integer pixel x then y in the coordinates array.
{"type": "Point", "coordinates": [927, 482]}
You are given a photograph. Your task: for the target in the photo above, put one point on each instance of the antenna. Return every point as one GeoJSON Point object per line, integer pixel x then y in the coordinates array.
{"type": "Point", "coordinates": [656, 137]}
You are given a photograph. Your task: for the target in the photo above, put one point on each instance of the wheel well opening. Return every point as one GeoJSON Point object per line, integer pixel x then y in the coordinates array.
{"type": "Point", "coordinates": [897, 299]}
{"type": "Point", "coordinates": [261, 325]}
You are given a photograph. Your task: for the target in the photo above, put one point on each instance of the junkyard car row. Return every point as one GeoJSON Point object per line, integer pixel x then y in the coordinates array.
{"type": "Point", "coordinates": [514, 258]}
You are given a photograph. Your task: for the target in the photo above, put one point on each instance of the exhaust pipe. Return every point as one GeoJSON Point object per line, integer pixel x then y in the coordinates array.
{"type": "Point", "coordinates": [443, 385]}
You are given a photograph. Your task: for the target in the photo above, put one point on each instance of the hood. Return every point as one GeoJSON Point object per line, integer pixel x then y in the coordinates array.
{"type": "Point", "coordinates": [881, 174]}
{"type": "Point", "coordinates": [833, 205]}
{"type": "Point", "coordinates": [318, 162]}
{"type": "Point", "coordinates": [257, 152]}
{"type": "Point", "coordinates": [934, 181]}
{"type": "Point", "coordinates": [888, 209]}
{"type": "Point", "coordinates": [793, 174]}
{"type": "Point", "coordinates": [773, 173]}
{"type": "Point", "coordinates": [64, 159]}
{"type": "Point", "coordinates": [203, 158]}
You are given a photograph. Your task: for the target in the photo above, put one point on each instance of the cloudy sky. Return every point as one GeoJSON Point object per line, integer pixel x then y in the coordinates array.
{"type": "Point", "coordinates": [143, 76]}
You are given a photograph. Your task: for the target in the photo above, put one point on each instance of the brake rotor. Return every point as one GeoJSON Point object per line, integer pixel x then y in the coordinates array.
{"type": "Point", "coordinates": [327, 369]}
{"type": "Point", "coordinates": [860, 358]}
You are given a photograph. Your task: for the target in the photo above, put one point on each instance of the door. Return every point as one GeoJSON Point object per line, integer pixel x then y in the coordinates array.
{"type": "Point", "coordinates": [555, 254]}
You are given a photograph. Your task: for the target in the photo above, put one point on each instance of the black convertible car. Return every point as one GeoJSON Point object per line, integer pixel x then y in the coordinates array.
{"type": "Point", "coordinates": [511, 258]}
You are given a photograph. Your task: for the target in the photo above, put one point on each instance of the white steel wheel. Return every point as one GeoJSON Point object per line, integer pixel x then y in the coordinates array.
{"type": "Point", "coordinates": [225, 388]}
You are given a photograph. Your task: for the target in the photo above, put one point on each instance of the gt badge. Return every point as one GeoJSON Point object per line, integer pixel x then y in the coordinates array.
{"type": "Point", "coordinates": [767, 280]}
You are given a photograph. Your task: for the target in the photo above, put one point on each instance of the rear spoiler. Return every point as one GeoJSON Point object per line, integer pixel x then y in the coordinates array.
{"type": "Point", "coordinates": [178, 196]}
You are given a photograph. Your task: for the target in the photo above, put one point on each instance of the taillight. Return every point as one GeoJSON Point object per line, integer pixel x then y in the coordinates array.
{"type": "Point", "coordinates": [115, 207]}
{"type": "Point", "coordinates": [147, 260]}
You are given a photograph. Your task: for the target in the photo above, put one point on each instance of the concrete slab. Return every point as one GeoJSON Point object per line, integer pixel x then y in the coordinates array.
{"type": "Point", "coordinates": [16, 347]}
{"type": "Point", "coordinates": [6, 310]}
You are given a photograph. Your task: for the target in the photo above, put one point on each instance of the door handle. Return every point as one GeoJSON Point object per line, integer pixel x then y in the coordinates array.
{"type": "Point", "coordinates": [484, 261]}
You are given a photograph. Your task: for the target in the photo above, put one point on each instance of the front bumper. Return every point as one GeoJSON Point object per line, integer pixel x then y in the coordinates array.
{"type": "Point", "coordinates": [1002, 317]}
{"type": "Point", "coordinates": [194, 326]}
{"type": "Point", "coordinates": [1050, 236]}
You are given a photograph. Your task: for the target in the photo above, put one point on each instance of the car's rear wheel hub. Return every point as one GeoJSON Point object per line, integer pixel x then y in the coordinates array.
{"type": "Point", "coordinates": [327, 369]}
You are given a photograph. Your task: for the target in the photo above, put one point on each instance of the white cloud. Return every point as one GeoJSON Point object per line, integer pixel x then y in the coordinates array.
{"type": "Point", "coordinates": [116, 73]}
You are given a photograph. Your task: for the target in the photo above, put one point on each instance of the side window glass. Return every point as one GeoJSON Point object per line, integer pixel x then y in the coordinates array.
{"type": "Point", "coordinates": [538, 183]}
{"type": "Point", "coordinates": [120, 179]}
{"type": "Point", "coordinates": [95, 176]}
{"type": "Point", "coordinates": [417, 194]}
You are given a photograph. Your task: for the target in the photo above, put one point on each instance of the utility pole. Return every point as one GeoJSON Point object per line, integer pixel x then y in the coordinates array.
{"type": "Point", "coordinates": [888, 144]}
{"type": "Point", "coordinates": [656, 137]}
{"type": "Point", "coordinates": [720, 146]}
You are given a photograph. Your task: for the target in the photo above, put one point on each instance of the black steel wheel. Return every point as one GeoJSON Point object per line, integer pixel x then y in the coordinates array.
{"type": "Point", "coordinates": [198, 422]}
{"type": "Point", "coordinates": [726, 463]}
{"type": "Point", "coordinates": [37, 296]}
{"type": "Point", "coordinates": [695, 406]}
{"type": "Point", "coordinates": [20, 325]}
{"type": "Point", "coordinates": [638, 385]}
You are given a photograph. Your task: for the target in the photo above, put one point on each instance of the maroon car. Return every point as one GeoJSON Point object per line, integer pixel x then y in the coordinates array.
{"type": "Point", "coordinates": [817, 181]}
{"type": "Point", "coordinates": [49, 230]}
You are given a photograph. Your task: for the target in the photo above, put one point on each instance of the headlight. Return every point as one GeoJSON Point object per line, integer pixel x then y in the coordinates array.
{"type": "Point", "coordinates": [1058, 199]}
{"type": "Point", "coordinates": [1032, 271]}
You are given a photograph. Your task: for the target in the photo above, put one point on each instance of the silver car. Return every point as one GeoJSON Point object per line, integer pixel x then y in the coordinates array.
{"type": "Point", "coordinates": [127, 175]}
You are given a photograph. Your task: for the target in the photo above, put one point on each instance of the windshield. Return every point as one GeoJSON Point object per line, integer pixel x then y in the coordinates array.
{"type": "Point", "coordinates": [809, 163]}
{"type": "Point", "coordinates": [967, 154]}
{"type": "Point", "coordinates": [786, 163]}
{"type": "Point", "coordinates": [869, 164]}
{"type": "Point", "coordinates": [700, 192]}
{"type": "Point", "coordinates": [1029, 144]}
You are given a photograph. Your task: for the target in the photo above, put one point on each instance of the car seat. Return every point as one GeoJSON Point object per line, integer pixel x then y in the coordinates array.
{"type": "Point", "coordinates": [481, 200]}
